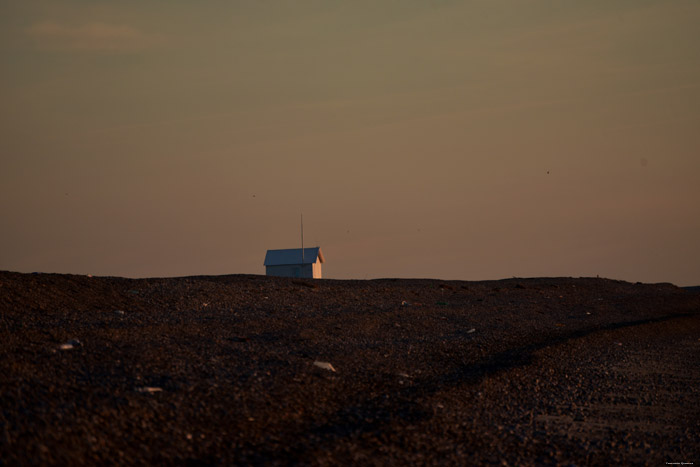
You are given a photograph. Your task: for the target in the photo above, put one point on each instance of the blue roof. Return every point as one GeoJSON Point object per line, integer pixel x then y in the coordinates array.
{"type": "Point", "coordinates": [293, 256]}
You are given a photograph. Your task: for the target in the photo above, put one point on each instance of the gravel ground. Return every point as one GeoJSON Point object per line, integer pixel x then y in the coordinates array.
{"type": "Point", "coordinates": [254, 370]}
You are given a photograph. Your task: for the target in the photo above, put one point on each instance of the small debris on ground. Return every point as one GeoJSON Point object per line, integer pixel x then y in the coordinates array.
{"type": "Point", "coordinates": [149, 389]}
{"type": "Point", "coordinates": [471, 331]}
{"type": "Point", "coordinates": [324, 365]}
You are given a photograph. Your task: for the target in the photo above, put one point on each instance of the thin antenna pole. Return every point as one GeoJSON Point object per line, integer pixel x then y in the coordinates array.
{"type": "Point", "coordinates": [302, 239]}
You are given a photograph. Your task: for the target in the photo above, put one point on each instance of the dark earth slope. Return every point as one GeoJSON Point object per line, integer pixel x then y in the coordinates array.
{"type": "Point", "coordinates": [220, 371]}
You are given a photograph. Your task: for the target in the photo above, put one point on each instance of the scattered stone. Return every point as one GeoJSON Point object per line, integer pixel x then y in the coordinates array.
{"type": "Point", "coordinates": [71, 344]}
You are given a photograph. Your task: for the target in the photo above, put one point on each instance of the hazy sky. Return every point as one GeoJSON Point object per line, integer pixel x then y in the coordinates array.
{"type": "Point", "coordinates": [446, 139]}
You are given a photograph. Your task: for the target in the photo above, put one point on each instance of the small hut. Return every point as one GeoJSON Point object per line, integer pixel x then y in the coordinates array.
{"type": "Point", "coordinates": [294, 262]}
